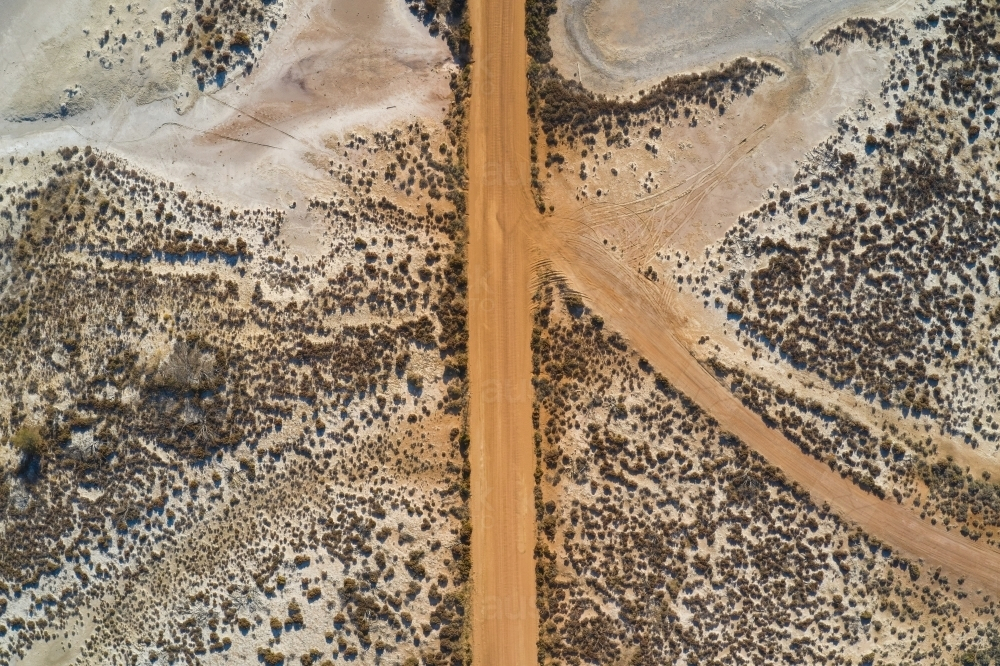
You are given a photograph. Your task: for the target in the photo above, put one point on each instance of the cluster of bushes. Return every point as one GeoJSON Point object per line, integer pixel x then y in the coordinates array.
{"type": "Point", "coordinates": [221, 38]}
{"type": "Point", "coordinates": [870, 31]}
{"type": "Point", "coordinates": [258, 359]}
{"type": "Point", "coordinates": [917, 206]}
{"type": "Point", "coordinates": [878, 464]}
{"type": "Point", "coordinates": [450, 19]}
{"type": "Point", "coordinates": [653, 522]}
{"type": "Point", "coordinates": [536, 28]}
{"type": "Point", "coordinates": [564, 111]}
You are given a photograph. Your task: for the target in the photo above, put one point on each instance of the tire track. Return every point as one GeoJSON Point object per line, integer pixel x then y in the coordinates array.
{"type": "Point", "coordinates": [502, 456]}
{"type": "Point", "coordinates": [636, 308]}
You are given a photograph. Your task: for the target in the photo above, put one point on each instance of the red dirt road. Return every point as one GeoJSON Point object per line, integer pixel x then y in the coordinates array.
{"type": "Point", "coordinates": [504, 615]}
{"type": "Point", "coordinates": [502, 220]}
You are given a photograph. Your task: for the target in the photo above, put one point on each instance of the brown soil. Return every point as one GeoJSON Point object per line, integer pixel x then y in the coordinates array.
{"type": "Point", "coordinates": [505, 619]}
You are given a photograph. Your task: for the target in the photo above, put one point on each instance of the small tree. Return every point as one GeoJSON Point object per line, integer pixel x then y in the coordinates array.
{"type": "Point", "coordinates": [29, 441]}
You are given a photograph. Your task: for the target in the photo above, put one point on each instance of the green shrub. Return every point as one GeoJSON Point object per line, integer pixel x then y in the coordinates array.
{"type": "Point", "coordinates": [574, 303]}
{"type": "Point", "coordinates": [536, 28]}
{"type": "Point", "coordinates": [29, 441]}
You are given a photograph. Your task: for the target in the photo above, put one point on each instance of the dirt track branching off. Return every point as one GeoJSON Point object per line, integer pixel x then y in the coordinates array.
{"type": "Point", "coordinates": [877, 273]}
{"type": "Point", "coordinates": [662, 538]}
{"type": "Point", "coordinates": [872, 162]}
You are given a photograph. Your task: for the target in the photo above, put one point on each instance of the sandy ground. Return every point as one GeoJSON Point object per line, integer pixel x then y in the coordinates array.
{"type": "Point", "coordinates": [621, 46]}
{"type": "Point", "coordinates": [708, 174]}
{"type": "Point", "coordinates": [55, 63]}
{"type": "Point", "coordinates": [717, 170]}
{"type": "Point", "coordinates": [505, 619]}
{"type": "Point", "coordinates": [258, 141]}
{"type": "Point", "coordinates": [266, 139]}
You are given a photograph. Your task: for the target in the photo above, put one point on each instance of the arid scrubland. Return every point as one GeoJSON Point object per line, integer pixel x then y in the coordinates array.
{"type": "Point", "coordinates": [875, 274]}
{"type": "Point", "coordinates": [573, 121]}
{"type": "Point", "coordinates": [854, 310]}
{"type": "Point", "coordinates": [663, 539]}
{"type": "Point", "coordinates": [215, 448]}
{"type": "Point", "coordinates": [231, 433]}
{"type": "Point", "coordinates": [218, 40]}
{"type": "Point", "coordinates": [241, 433]}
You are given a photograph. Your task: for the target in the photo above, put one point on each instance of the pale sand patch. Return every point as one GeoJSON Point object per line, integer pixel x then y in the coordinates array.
{"type": "Point", "coordinates": [707, 175]}
{"type": "Point", "coordinates": [621, 46]}
{"type": "Point", "coordinates": [56, 63]}
{"type": "Point", "coordinates": [260, 141]}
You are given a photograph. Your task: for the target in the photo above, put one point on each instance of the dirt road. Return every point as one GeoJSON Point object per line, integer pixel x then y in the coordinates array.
{"type": "Point", "coordinates": [635, 307]}
{"type": "Point", "coordinates": [505, 622]}
{"type": "Point", "coordinates": [502, 220]}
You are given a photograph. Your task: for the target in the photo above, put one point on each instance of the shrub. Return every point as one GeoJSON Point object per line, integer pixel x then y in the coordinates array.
{"type": "Point", "coordinates": [29, 441]}
{"type": "Point", "coordinates": [271, 658]}
{"type": "Point", "coordinates": [415, 565]}
{"type": "Point", "coordinates": [187, 368]}
{"type": "Point", "coordinates": [536, 28]}
{"type": "Point", "coordinates": [295, 613]}
{"type": "Point", "coordinates": [241, 40]}
{"type": "Point", "coordinates": [574, 303]}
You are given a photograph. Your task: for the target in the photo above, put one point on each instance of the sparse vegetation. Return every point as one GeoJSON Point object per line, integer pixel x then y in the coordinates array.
{"type": "Point", "coordinates": [205, 374]}
{"type": "Point", "coordinates": [877, 276]}
{"type": "Point", "coordinates": [564, 112]}
{"type": "Point", "coordinates": [664, 539]}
